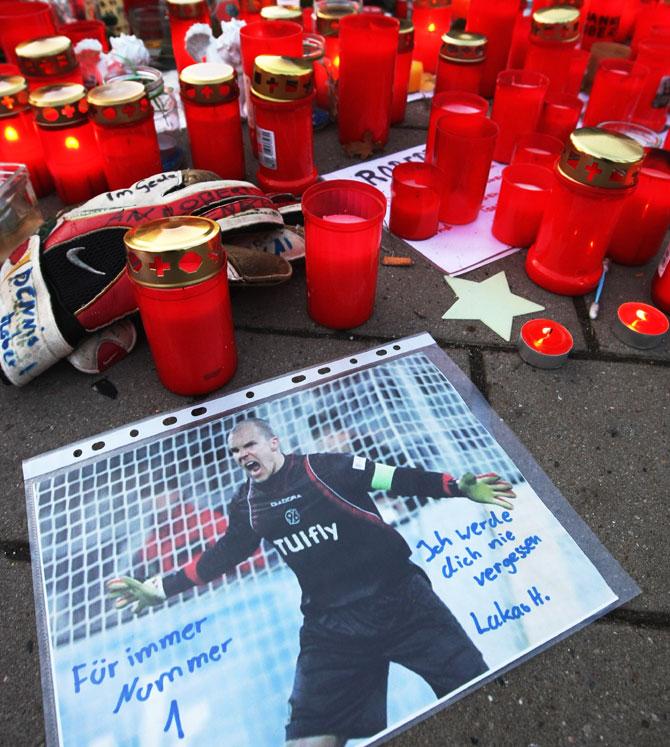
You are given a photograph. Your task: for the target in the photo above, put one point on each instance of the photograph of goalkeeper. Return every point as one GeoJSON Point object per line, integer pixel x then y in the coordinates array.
{"type": "Point", "coordinates": [364, 603]}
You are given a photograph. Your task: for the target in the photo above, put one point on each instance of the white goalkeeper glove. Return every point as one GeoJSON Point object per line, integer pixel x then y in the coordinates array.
{"type": "Point", "coordinates": [126, 590]}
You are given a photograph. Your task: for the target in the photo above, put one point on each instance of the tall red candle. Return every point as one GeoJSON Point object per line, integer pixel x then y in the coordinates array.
{"type": "Point", "coordinates": [70, 147]}
{"type": "Point", "coordinates": [282, 95]}
{"type": "Point", "coordinates": [178, 270]}
{"type": "Point", "coordinates": [19, 141]}
{"type": "Point", "coordinates": [616, 90]}
{"type": "Point", "coordinates": [431, 19]}
{"type": "Point", "coordinates": [183, 14]}
{"type": "Point", "coordinates": [652, 107]}
{"type": "Point", "coordinates": [327, 17]}
{"type": "Point", "coordinates": [403, 66]}
{"type": "Point", "coordinates": [123, 119]}
{"type": "Point", "coordinates": [595, 174]}
{"type": "Point", "coordinates": [21, 21]}
{"type": "Point", "coordinates": [368, 48]}
{"type": "Point", "coordinates": [461, 62]}
{"type": "Point", "coordinates": [460, 107]}
{"type": "Point", "coordinates": [560, 114]}
{"type": "Point", "coordinates": [603, 19]}
{"type": "Point", "coordinates": [496, 21]}
{"type": "Point", "coordinates": [48, 61]}
{"type": "Point", "coordinates": [553, 38]}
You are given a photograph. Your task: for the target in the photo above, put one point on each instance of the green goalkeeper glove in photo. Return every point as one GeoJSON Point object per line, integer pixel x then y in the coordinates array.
{"type": "Point", "coordinates": [125, 591]}
{"type": "Point", "coordinates": [488, 488]}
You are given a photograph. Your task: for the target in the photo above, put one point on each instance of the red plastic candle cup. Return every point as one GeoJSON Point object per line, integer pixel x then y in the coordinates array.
{"type": "Point", "coordinates": [650, 18]}
{"type": "Point", "coordinates": [603, 19]}
{"type": "Point", "coordinates": [459, 107]}
{"type": "Point", "coordinates": [616, 91]}
{"type": "Point", "coordinates": [415, 201]}
{"type": "Point", "coordinates": [68, 139]}
{"type": "Point", "coordinates": [91, 29]}
{"type": "Point", "coordinates": [282, 94]}
{"type": "Point", "coordinates": [537, 148]}
{"type": "Point", "coordinates": [595, 175]}
{"type": "Point", "coordinates": [578, 64]}
{"type": "Point", "coordinates": [19, 141]}
{"type": "Point", "coordinates": [524, 192]}
{"type": "Point", "coordinates": [48, 61]}
{"type": "Point", "coordinates": [652, 107]}
{"type": "Point", "coordinates": [327, 17]}
{"type": "Point", "coordinates": [640, 325]}
{"type": "Point", "coordinates": [519, 45]}
{"type": "Point", "coordinates": [210, 96]}
{"type": "Point", "coordinates": [123, 119]}
{"type": "Point", "coordinates": [517, 106]}
{"type": "Point", "coordinates": [560, 114]}
{"type": "Point", "coordinates": [461, 62]}
{"type": "Point", "coordinates": [544, 343]}
{"type": "Point", "coordinates": [431, 19]}
{"type": "Point", "coordinates": [464, 158]}
{"type": "Point", "coordinates": [183, 14]}
{"type": "Point", "coordinates": [178, 270]}
{"type": "Point", "coordinates": [343, 229]}
{"type": "Point", "coordinates": [604, 51]}
{"type": "Point", "coordinates": [22, 21]}
{"type": "Point", "coordinates": [496, 21]}
{"type": "Point", "coordinates": [553, 38]}
{"type": "Point", "coordinates": [645, 217]}
{"type": "Point", "coordinates": [403, 66]}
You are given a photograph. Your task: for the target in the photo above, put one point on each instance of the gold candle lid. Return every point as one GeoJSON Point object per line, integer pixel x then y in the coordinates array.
{"type": "Point", "coordinates": [49, 55]}
{"type": "Point", "coordinates": [209, 83]}
{"type": "Point", "coordinates": [463, 46]}
{"type": "Point", "coordinates": [186, 9]}
{"type": "Point", "coordinates": [13, 95]}
{"type": "Point", "coordinates": [406, 36]}
{"type": "Point", "coordinates": [282, 78]}
{"type": "Point", "coordinates": [174, 252]}
{"type": "Point", "coordinates": [59, 105]}
{"type": "Point", "coordinates": [329, 15]}
{"type": "Point", "coordinates": [559, 23]}
{"type": "Point", "coordinates": [119, 102]}
{"type": "Point", "coordinates": [282, 13]}
{"type": "Point", "coordinates": [599, 158]}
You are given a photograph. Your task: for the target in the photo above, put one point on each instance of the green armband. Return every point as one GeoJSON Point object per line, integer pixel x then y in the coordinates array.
{"type": "Point", "coordinates": [382, 478]}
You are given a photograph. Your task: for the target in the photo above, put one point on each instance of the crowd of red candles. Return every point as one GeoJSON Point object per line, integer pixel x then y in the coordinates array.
{"type": "Point", "coordinates": [508, 80]}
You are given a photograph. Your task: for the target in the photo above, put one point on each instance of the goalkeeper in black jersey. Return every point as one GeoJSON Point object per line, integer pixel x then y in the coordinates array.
{"type": "Point", "coordinates": [365, 604]}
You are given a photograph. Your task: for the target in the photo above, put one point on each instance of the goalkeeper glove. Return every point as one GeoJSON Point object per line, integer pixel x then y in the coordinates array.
{"type": "Point", "coordinates": [488, 488]}
{"type": "Point", "coordinates": [125, 591]}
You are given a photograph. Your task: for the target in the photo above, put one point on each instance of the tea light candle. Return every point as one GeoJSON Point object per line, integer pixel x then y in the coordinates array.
{"type": "Point", "coordinates": [544, 343]}
{"type": "Point", "coordinates": [640, 325]}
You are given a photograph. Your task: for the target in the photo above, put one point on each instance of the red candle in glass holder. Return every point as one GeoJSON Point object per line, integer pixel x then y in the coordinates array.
{"type": "Point", "coordinates": [48, 61]}
{"type": "Point", "coordinates": [616, 89]}
{"type": "Point", "coordinates": [20, 21]}
{"type": "Point", "coordinates": [343, 230]}
{"type": "Point", "coordinates": [460, 108]}
{"type": "Point", "coordinates": [560, 114]}
{"type": "Point", "coordinates": [544, 343]}
{"type": "Point", "coordinates": [368, 49]}
{"type": "Point", "coordinates": [90, 29]}
{"type": "Point", "coordinates": [652, 107]}
{"type": "Point", "coordinates": [403, 66]}
{"type": "Point", "coordinates": [123, 120]}
{"type": "Point", "coordinates": [537, 148]}
{"type": "Point", "coordinates": [603, 18]}
{"type": "Point", "coordinates": [327, 17]}
{"type": "Point", "coordinates": [282, 93]}
{"type": "Point", "coordinates": [596, 173]}
{"type": "Point", "coordinates": [431, 19]}
{"type": "Point", "coordinates": [496, 21]}
{"type": "Point", "coordinates": [517, 106]}
{"type": "Point", "coordinates": [464, 158]}
{"type": "Point", "coordinates": [554, 34]}
{"type": "Point", "coordinates": [68, 139]}
{"type": "Point", "coordinates": [524, 192]}
{"type": "Point", "coordinates": [19, 141]}
{"type": "Point", "coordinates": [640, 325]}
{"type": "Point", "coordinates": [183, 14]}
{"type": "Point", "coordinates": [461, 62]}
{"type": "Point", "coordinates": [178, 271]}
{"type": "Point", "coordinates": [645, 217]}
{"type": "Point", "coordinates": [415, 201]}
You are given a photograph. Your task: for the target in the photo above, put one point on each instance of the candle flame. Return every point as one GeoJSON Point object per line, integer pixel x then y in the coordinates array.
{"type": "Point", "coordinates": [431, 27]}
{"type": "Point", "coordinates": [71, 143]}
{"type": "Point", "coordinates": [336, 61]}
{"type": "Point", "coordinates": [641, 315]}
{"type": "Point", "coordinates": [11, 135]}
{"type": "Point", "coordinates": [546, 333]}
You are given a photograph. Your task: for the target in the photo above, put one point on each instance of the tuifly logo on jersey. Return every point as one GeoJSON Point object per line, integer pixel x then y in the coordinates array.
{"type": "Point", "coordinates": [292, 516]}
{"type": "Point", "coordinates": [306, 538]}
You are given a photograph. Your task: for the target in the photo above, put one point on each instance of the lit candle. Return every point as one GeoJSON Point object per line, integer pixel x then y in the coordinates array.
{"type": "Point", "coordinates": [544, 343]}
{"type": "Point", "coordinates": [640, 325]}
{"type": "Point", "coordinates": [431, 19]}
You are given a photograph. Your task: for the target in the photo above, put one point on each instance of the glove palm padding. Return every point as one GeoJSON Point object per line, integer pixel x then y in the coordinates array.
{"type": "Point", "coordinates": [488, 488]}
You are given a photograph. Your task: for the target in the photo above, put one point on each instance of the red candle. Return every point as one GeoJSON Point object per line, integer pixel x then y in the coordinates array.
{"type": "Point", "coordinates": [578, 64]}
{"type": "Point", "coordinates": [343, 228]}
{"type": "Point", "coordinates": [282, 13]}
{"type": "Point", "coordinates": [282, 96]}
{"type": "Point", "coordinates": [19, 140]}
{"type": "Point", "coordinates": [368, 49]}
{"type": "Point", "coordinates": [461, 62]}
{"type": "Point", "coordinates": [524, 192]}
{"type": "Point", "coordinates": [517, 107]}
{"type": "Point", "coordinates": [603, 18]}
{"type": "Point", "coordinates": [403, 66]}
{"type": "Point", "coordinates": [640, 325]}
{"type": "Point", "coordinates": [431, 19]}
{"type": "Point", "coordinates": [183, 14]}
{"type": "Point", "coordinates": [544, 343]}
{"type": "Point", "coordinates": [415, 201]}
{"type": "Point", "coordinates": [652, 107]}
{"type": "Point", "coordinates": [210, 96]}
{"type": "Point", "coordinates": [464, 158]}
{"type": "Point", "coordinates": [519, 45]}
{"type": "Point", "coordinates": [553, 38]}
{"type": "Point", "coordinates": [90, 29]}
{"type": "Point", "coordinates": [327, 17]}
{"type": "Point", "coordinates": [560, 114]}
{"type": "Point", "coordinates": [537, 148]}
{"type": "Point", "coordinates": [645, 217]}
{"type": "Point", "coordinates": [496, 21]}
{"type": "Point", "coordinates": [48, 61]}
{"type": "Point", "coordinates": [460, 108]}
{"type": "Point", "coordinates": [616, 90]}
{"type": "Point", "coordinates": [20, 21]}
{"type": "Point", "coordinates": [660, 285]}
{"type": "Point", "coordinates": [595, 174]}
{"type": "Point", "coordinates": [653, 16]}
{"type": "Point", "coordinates": [68, 139]}
{"type": "Point", "coordinates": [178, 270]}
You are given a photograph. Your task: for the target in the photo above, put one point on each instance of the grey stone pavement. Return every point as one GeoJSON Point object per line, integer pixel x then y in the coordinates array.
{"type": "Point", "coordinates": [599, 427]}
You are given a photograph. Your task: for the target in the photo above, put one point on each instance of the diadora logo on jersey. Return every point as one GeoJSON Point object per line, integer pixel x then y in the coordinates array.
{"type": "Point", "coordinates": [288, 499]}
{"type": "Point", "coordinates": [306, 538]}
{"type": "Point", "coordinates": [292, 516]}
